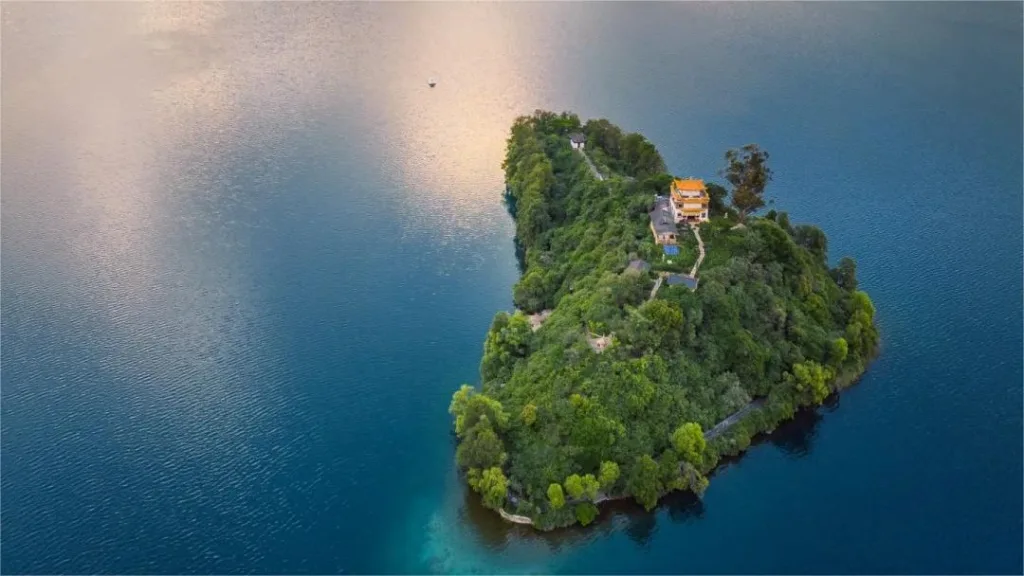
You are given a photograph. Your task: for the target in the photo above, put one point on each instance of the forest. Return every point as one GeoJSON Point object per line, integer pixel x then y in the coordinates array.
{"type": "Point", "coordinates": [554, 427]}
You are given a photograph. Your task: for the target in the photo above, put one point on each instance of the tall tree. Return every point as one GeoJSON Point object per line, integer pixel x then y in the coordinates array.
{"type": "Point", "coordinates": [491, 484]}
{"type": "Point", "coordinates": [845, 274]}
{"type": "Point", "coordinates": [480, 447]}
{"type": "Point", "coordinates": [717, 197]}
{"type": "Point", "coordinates": [609, 474]}
{"type": "Point", "coordinates": [555, 496]}
{"type": "Point", "coordinates": [590, 486]}
{"type": "Point", "coordinates": [748, 172]}
{"type": "Point", "coordinates": [574, 486]}
{"type": "Point", "coordinates": [643, 481]}
{"type": "Point", "coordinates": [688, 440]}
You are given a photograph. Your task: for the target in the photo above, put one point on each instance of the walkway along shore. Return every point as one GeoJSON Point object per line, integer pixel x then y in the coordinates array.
{"type": "Point", "coordinates": [711, 434]}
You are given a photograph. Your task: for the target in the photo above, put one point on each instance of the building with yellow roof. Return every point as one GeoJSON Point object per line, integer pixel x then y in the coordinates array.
{"type": "Point", "coordinates": [689, 200]}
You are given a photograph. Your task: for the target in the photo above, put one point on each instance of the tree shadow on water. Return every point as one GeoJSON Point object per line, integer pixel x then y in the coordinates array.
{"type": "Point", "coordinates": [796, 437]}
{"type": "Point", "coordinates": [496, 534]}
{"type": "Point", "coordinates": [684, 507]}
{"type": "Point", "coordinates": [641, 528]}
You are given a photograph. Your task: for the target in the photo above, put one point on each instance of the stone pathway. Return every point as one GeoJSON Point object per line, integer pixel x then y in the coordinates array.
{"type": "Point", "coordinates": [732, 419]}
{"type": "Point", "coordinates": [591, 164]}
{"type": "Point", "coordinates": [700, 252]}
{"type": "Point", "coordinates": [657, 284]}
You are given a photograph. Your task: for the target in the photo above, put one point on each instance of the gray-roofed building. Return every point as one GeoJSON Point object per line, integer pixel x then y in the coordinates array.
{"type": "Point", "coordinates": [578, 140]}
{"type": "Point", "coordinates": [684, 279]}
{"type": "Point", "coordinates": [638, 266]}
{"type": "Point", "coordinates": [663, 224]}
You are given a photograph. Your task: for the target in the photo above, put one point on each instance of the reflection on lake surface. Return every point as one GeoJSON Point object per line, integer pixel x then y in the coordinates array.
{"type": "Point", "coordinates": [248, 255]}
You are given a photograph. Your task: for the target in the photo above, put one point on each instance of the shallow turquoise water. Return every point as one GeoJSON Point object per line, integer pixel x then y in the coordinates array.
{"type": "Point", "coordinates": [248, 255]}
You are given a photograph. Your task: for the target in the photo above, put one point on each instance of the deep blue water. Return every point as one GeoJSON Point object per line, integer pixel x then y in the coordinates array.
{"type": "Point", "coordinates": [248, 255]}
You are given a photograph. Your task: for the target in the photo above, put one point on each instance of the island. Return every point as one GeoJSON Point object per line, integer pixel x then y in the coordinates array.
{"type": "Point", "coordinates": [660, 324]}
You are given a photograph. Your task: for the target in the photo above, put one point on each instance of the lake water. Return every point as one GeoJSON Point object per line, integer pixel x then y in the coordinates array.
{"type": "Point", "coordinates": [248, 254]}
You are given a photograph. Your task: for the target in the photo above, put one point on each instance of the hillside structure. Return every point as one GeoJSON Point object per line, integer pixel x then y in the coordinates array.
{"type": "Point", "coordinates": [663, 225]}
{"type": "Point", "coordinates": [690, 200]}
{"type": "Point", "coordinates": [577, 140]}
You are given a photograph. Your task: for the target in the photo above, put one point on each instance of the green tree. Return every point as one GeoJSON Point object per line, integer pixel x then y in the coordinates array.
{"type": "Point", "coordinates": [603, 134]}
{"type": "Point", "coordinates": [608, 475]}
{"type": "Point", "coordinates": [838, 351]}
{"type": "Point", "coordinates": [643, 481]}
{"type": "Point", "coordinates": [668, 471]}
{"type": "Point", "coordinates": [585, 513]}
{"type": "Point", "coordinates": [535, 289]}
{"type": "Point", "coordinates": [748, 172]}
{"type": "Point", "coordinates": [783, 221]}
{"type": "Point", "coordinates": [717, 196]}
{"type": "Point", "coordinates": [491, 484]}
{"type": "Point", "coordinates": [689, 442]}
{"type": "Point", "coordinates": [480, 447]}
{"type": "Point", "coordinates": [590, 486]}
{"type": "Point", "coordinates": [812, 238]}
{"type": "Point", "coordinates": [508, 341]}
{"type": "Point", "coordinates": [555, 496]}
{"type": "Point", "coordinates": [811, 381]}
{"type": "Point", "coordinates": [817, 308]}
{"type": "Point", "coordinates": [639, 157]}
{"type": "Point", "coordinates": [469, 407]}
{"type": "Point", "coordinates": [861, 334]}
{"type": "Point", "coordinates": [845, 274]}
{"type": "Point", "coordinates": [574, 486]}
{"type": "Point", "coordinates": [529, 414]}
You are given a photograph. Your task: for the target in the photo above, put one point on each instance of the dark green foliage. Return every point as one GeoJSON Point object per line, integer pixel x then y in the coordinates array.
{"type": "Point", "coordinates": [769, 321]}
{"type": "Point", "coordinates": [480, 447]}
{"type": "Point", "coordinates": [508, 342]}
{"type": "Point", "coordinates": [783, 221]}
{"type": "Point", "coordinates": [748, 172]}
{"type": "Point", "coordinates": [644, 481]}
{"type": "Point", "coordinates": [717, 197]}
{"type": "Point", "coordinates": [630, 154]}
{"type": "Point", "coordinates": [585, 513]}
{"type": "Point", "coordinates": [812, 238]}
{"type": "Point", "coordinates": [845, 274]}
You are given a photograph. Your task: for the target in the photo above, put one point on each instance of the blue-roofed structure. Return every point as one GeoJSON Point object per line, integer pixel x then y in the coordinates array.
{"type": "Point", "coordinates": [671, 250]}
{"type": "Point", "coordinates": [683, 279]}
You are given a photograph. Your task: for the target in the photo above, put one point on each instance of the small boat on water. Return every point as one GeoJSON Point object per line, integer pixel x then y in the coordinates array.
{"type": "Point", "coordinates": [431, 82]}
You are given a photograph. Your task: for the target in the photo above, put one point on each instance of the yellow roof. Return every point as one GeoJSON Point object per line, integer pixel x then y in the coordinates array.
{"type": "Point", "coordinates": [692, 210]}
{"type": "Point", "coordinates": [691, 184]}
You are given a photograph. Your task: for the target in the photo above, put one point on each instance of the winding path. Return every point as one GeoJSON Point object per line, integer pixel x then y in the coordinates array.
{"type": "Point", "coordinates": [700, 251]}
{"type": "Point", "coordinates": [657, 284]}
{"type": "Point", "coordinates": [733, 418]}
{"type": "Point", "coordinates": [591, 164]}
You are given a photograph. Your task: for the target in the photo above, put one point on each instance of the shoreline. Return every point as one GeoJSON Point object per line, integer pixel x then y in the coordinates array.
{"type": "Point", "coordinates": [826, 348]}
{"type": "Point", "coordinates": [839, 384]}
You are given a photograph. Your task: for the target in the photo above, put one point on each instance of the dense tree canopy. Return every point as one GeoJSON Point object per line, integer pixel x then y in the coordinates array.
{"type": "Point", "coordinates": [560, 426]}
